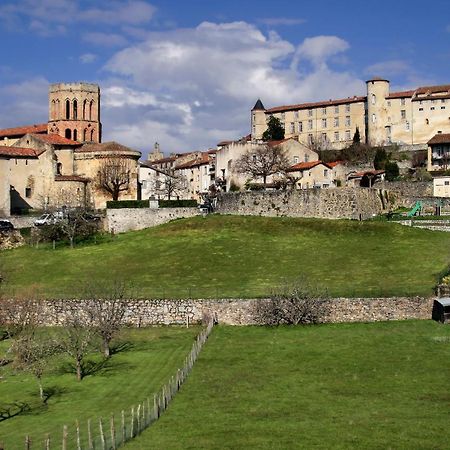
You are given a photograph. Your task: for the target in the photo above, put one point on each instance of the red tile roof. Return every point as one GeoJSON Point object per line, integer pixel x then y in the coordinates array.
{"type": "Point", "coordinates": [20, 152]}
{"type": "Point", "coordinates": [306, 166]}
{"type": "Point", "coordinates": [22, 131]}
{"type": "Point", "coordinates": [202, 160]}
{"type": "Point", "coordinates": [342, 101]}
{"type": "Point", "coordinates": [334, 163]}
{"type": "Point", "coordinates": [440, 138]}
{"type": "Point", "coordinates": [71, 178]}
{"type": "Point", "coordinates": [55, 139]}
{"type": "Point", "coordinates": [444, 88]}
{"type": "Point", "coordinates": [365, 172]}
{"type": "Point", "coordinates": [111, 147]}
{"type": "Point", "coordinates": [400, 94]}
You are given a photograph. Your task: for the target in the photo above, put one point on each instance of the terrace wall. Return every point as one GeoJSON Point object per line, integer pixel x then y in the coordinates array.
{"type": "Point", "coordinates": [242, 311]}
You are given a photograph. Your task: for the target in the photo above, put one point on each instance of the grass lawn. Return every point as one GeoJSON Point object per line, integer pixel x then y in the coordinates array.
{"type": "Point", "coordinates": [131, 375]}
{"type": "Point", "coordinates": [233, 256]}
{"type": "Point", "coordinates": [361, 386]}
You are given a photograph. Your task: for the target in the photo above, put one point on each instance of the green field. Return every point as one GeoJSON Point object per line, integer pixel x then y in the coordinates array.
{"type": "Point", "coordinates": [148, 358]}
{"type": "Point", "coordinates": [232, 256]}
{"type": "Point", "coordinates": [361, 386]}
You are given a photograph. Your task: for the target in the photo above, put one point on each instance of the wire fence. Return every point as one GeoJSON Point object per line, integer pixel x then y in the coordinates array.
{"type": "Point", "coordinates": [111, 432]}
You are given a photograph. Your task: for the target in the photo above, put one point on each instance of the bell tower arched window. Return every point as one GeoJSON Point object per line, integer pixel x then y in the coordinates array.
{"type": "Point", "coordinates": [67, 109]}
{"type": "Point", "coordinates": [68, 133]}
{"type": "Point", "coordinates": [75, 110]}
{"type": "Point", "coordinates": [74, 135]}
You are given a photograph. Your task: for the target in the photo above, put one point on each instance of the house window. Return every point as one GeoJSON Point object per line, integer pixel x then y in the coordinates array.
{"type": "Point", "coordinates": [443, 100]}
{"type": "Point", "coordinates": [432, 108]}
{"type": "Point", "coordinates": [324, 137]}
{"type": "Point", "coordinates": [336, 136]}
{"type": "Point", "coordinates": [325, 172]}
{"type": "Point", "coordinates": [324, 111]}
{"type": "Point", "coordinates": [374, 118]}
{"type": "Point", "coordinates": [310, 113]}
{"type": "Point", "coordinates": [407, 126]}
{"type": "Point", "coordinates": [420, 109]}
{"type": "Point", "coordinates": [402, 102]}
{"type": "Point", "coordinates": [374, 99]}
{"type": "Point", "coordinates": [307, 156]}
{"type": "Point", "coordinates": [427, 122]}
{"type": "Point", "coordinates": [347, 108]}
{"type": "Point", "coordinates": [324, 123]}
{"type": "Point", "coordinates": [254, 158]}
{"type": "Point", "coordinates": [300, 127]}
{"type": "Point", "coordinates": [403, 114]}
{"type": "Point", "coordinates": [442, 107]}
{"type": "Point", "coordinates": [347, 135]}
{"type": "Point", "coordinates": [292, 127]}
{"type": "Point", "coordinates": [336, 121]}
{"type": "Point", "coordinates": [310, 124]}
{"type": "Point", "coordinates": [310, 138]}
{"type": "Point", "coordinates": [336, 109]}
{"type": "Point", "coordinates": [28, 192]}
{"type": "Point", "coordinates": [347, 121]}
{"type": "Point", "coordinates": [296, 114]}
{"type": "Point", "coordinates": [296, 159]}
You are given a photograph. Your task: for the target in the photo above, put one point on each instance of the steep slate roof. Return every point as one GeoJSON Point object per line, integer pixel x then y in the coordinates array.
{"type": "Point", "coordinates": [22, 131]}
{"type": "Point", "coordinates": [258, 106]}
{"type": "Point", "coordinates": [325, 103]}
{"type": "Point", "coordinates": [55, 139]}
{"type": "Point", "coordinates": [19, 152]}
{"type": "Point", "coordinates": [440, 138]}
{"type": "Point", "coordinates": [110, 147]}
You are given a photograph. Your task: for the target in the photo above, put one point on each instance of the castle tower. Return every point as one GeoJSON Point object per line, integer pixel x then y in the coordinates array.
{"type": "Point", "coordinates": [377, 112]}
{"type": "Point", "coordinates": [258, 120]}
{"type": "Point", "coordinates": [156, 153]}
{"type": "Point", "coordinates": [74, 111]}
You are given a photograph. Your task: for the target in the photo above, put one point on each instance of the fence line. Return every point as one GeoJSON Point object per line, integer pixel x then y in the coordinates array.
{"type": "Point", "coordinates": [104, 435]}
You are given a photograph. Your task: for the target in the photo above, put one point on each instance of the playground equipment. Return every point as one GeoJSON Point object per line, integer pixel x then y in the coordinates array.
{"type": "Point", "coordinates": [416, 209]}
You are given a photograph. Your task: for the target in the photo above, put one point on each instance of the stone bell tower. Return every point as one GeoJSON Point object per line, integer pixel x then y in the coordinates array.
{"type": "Point", "coordinates": [74, 111]}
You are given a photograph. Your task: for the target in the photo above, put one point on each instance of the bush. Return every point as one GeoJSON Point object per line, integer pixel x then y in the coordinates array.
{"type": "Point", "coordinates": [381, 159]}
{"type": "Point", "coordinates": [117, 204]}
{"type": "Point", "coordinates": [392, 171]}
{"type": "Point", "coordinates": [234, 187]}
{"type": "Point", "coordinates": [177, 203]}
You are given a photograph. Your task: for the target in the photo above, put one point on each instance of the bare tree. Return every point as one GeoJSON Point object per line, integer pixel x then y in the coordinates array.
{"type": "Point", "coordinates": [18, 315]}
{"type": "Point", "coordinates": [78, 340]}
{"type": "Point", "coordinates": [106, 310]}
{"type": "Point", "coordinates": [263, 161]}
{"type": "Point", "coordinates": [170, 184]}
{"type": "Point", "coordinates": [31, 351]}
{"type": "Point", "coordinates": [114, 176]}
{"type": "Point", "coordinates": [292, 305]}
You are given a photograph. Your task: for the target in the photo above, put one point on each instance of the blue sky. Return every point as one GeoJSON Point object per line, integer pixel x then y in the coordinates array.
{"type": "Point", "coordinates": [186, 73]}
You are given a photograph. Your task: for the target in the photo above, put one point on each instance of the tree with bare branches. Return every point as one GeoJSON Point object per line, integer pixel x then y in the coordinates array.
{"type": "Point", "coordinates": [292, 305]}
{"type": "Point", "coordinates": [170, 184]}
{"type": "Point", "coordinates": [263, 161]}
{"type": "Point", "coordinates": [106, 309]}
{"type": "Point", "coordinates": [114, 176]}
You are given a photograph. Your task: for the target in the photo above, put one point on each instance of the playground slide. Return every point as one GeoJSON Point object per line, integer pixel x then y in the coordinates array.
{"type": "Point", "coordinates": [416, 209]}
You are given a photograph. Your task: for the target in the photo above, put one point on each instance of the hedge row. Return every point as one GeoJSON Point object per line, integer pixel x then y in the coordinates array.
{"type": "Point", "coordinates": [177, 203]}
{"type": "Point", "coordinates": [117, 204]}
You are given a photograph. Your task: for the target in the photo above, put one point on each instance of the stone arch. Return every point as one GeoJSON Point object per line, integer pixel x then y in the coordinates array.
{"type": "Point", "coordinates": [84, 109]}
{"type": "Point", "coordinates": [92, 134]}
{"type": "Point", "coordinates": [91, 109]}
{"type": "Point", "coordinates": [75, 135]}
{"type": "Point", "coordinates": [75, 109]}
{"type": "Point", "coordinates": [68, 133]}
{"type": "Point", "coordinates": [85, 134]}
{"type": "Point", "coordinates": [58, 168]}
{"type": "Point", "coordinates": [53, 110]}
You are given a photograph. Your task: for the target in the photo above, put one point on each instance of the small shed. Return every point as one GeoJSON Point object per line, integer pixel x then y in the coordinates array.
{"type": "Point", "coordinates": [441, 310]}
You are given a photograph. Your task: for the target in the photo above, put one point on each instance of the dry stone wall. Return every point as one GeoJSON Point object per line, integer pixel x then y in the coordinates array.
{"type": "Point", "coordinates": [350, 203]}
{"type": "Point", "coordinates": [242, 311]}
{"type": "Point", "coordinates": [128, 219]}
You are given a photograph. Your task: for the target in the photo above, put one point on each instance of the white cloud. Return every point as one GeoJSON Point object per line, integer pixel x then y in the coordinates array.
{"type": "Point", "coordinates": [388, 68]}
{"type": "Point", "coordinates": [87, 58]}
{"type": "Point", "coordinates": [104, 39]}
{"type": "Point", "coordinates": [281, 21]}
{"type": "Point", "coordinates": [319, 49]}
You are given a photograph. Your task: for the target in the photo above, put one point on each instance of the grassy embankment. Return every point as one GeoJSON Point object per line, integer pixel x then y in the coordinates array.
{"type": "Point", "coordinates": [232, 256]}
{"type": "Point", "coordinates": [370, 386]}
{"type": "Point", "coordinates": [148, 358]}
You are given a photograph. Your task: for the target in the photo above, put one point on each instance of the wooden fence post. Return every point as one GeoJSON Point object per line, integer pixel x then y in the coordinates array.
{"type": "Point", "coordinates": [64, 441]}
{"type": "Point", "coordinates": [113, 433]}
{"type": "Point", "coordinates": [47, 442]}
{"type": "Point", "coordinates": [102, 434]}
{"type": "Point", "coordinates": [124, 431]}
{"type": "Point", "coordinates": [132, 422]}
{"type": "Point", "coordinates": [27, 442]}
{"type": "Point", "coordinates": [138, 416]}
{"type": "Point", "coordinates": [90, 443]}
{"type": "Point", "coordinates": [78, 435]}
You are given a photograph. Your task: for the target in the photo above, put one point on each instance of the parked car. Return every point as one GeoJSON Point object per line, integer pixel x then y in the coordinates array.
{"type": "Point", "coordinates": [6, 225]}
{"type": "Point", "coordinates": [46, 219]}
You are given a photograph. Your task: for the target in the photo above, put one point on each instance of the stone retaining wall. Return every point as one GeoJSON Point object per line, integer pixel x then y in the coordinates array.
{"type": "Point", "coordinates": [334, 203]}
{"type": "Point", "coordinates": [128, 219]}
{"type": "Point", "coordinates": [242, 312]}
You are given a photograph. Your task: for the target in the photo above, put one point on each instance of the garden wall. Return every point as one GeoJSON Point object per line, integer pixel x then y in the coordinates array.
{"type": "Point", "coordinates": [241, 312]}
{"type": "Point", "coordinates": [350, 203]}
{"type": "Point", "coordinates": [128, 219]}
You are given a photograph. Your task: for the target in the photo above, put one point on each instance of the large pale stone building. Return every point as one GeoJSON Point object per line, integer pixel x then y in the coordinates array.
{"type": "Point", "coordinates": [57, 164]}
{"type": "Point", "coordinates": [383, 117]}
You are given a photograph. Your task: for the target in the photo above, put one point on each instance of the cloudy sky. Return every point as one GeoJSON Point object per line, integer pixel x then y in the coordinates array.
{"type": "Point", "coordinates": [186, 73]}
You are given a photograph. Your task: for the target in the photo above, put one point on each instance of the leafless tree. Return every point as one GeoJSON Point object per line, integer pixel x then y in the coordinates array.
{"type": "Point", "coordinates": [263, 161]}
{"type": "Point", "coordinates": [170, 184]}
{"type": "Point", "coordinates": [292, 305]}
{"type": "Point", "coordinates": [106, 310]}
{"type": "Point", "coordinates": [114, 176]}
{"type": "Point", "coordinates": [31, 352]}
{"type": "Point", "coordinates": [18, 315]}
{"type": "Point", "coordinates": [78, 339]}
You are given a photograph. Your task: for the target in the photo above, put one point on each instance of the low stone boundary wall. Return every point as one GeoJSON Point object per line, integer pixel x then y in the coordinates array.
{"type": "Point", "coordinates": [128, 219]}
{"type": "Point", "coordinates": [242, 312]}
{"type": "Point", "coordinates": [332, 203]}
